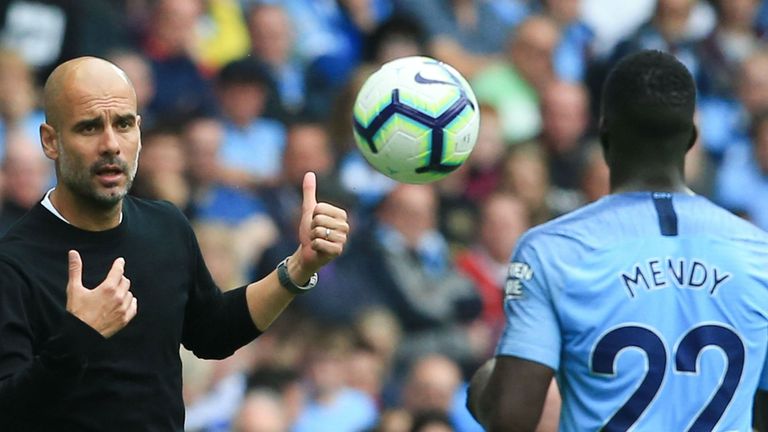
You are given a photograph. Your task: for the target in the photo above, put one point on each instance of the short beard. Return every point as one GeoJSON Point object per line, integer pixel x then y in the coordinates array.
{"type": "Point", "coordinates": [79, 180]}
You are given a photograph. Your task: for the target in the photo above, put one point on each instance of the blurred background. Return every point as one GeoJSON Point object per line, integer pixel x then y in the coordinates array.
{"type": "Point", "coordinates": [239, 98]}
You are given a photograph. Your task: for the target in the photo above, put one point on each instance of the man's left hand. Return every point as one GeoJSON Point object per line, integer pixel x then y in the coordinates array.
{"type": "Point", "coordinates": [323, 233]}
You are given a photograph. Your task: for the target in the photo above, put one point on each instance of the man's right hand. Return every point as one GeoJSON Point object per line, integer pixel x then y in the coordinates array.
{"type": "Point", "coordinates": [107, 308]}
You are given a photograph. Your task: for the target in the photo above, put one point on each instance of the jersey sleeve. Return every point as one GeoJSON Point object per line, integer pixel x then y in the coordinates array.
{"type": "Point", "coordinates": [532, 331]}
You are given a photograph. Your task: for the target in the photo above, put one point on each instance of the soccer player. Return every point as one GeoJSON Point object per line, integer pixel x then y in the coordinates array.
{"type": "Point", "coordinates": [651, 304]}
{"type": "Point", "coordinates": [98, 289]}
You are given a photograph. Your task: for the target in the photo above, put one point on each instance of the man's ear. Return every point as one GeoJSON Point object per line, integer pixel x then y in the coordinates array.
{"type": "Point", "coordinates": [50, 141]}
{"type": "Point", "coordinates": [694, 137]}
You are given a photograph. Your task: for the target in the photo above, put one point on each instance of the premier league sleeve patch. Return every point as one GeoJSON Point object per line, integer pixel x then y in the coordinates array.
{"type": "Point", "coordinates": [517, 273]}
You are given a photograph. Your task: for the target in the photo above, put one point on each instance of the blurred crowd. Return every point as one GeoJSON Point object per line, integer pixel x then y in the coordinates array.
{"type": "Point", "coordinates": [239, 98]}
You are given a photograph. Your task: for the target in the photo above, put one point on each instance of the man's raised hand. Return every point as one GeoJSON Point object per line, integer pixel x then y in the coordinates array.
{"type": "Point", "coordinates": [107, 308]}
{"type": "Point", "coordinates": [322, 232]}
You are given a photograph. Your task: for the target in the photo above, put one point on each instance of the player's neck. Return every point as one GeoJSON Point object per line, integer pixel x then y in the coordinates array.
{"type": "Point", "coordinates": [83, 214]}
{"type": "Point", "coordinates": [649, 180]}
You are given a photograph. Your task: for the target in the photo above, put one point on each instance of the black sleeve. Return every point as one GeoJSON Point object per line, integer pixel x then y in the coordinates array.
{"type": "Point", "coordinates": [216, 324]}
{"type": "Point", "coordinates": [35, 373]}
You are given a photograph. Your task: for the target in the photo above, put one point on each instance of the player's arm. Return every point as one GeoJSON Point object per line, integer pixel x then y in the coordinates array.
{"type": "Point", "coordinates": [509, 394]}
{"type": "Point", "coordinates": [322, 234]}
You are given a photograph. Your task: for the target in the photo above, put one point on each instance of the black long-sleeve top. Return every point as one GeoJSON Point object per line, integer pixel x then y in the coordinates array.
{"type": "Point", "coordinates": [57, 373]}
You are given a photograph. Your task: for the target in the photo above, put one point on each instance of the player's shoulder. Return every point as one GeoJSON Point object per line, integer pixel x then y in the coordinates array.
{"type": "Point", "coordinates": [576, 227]}
{"type": "Point", "coordinates": [618, 218]}
{"type": "Point", "coordinates": [703, 217]}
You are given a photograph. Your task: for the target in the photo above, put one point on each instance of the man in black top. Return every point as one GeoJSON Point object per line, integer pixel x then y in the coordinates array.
{"type": "Point", "coordinates": [98, 288]}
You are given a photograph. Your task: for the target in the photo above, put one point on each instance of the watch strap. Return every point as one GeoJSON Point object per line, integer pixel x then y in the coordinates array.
{"type": "Point", "coordinates": [290, 285]}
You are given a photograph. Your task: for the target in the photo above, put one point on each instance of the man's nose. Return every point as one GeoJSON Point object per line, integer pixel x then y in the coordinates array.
{"type": "Point", "coordinates": [109, 143]}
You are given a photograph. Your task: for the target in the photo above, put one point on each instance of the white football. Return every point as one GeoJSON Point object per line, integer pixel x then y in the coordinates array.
{"type": "Point", "coordinates": [416, 119]}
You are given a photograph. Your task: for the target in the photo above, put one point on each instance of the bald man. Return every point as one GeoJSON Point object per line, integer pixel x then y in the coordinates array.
{"type": "Point", "coordinates": [98, 288]}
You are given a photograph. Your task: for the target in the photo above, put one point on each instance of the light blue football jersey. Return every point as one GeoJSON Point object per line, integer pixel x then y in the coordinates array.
{"type": "Point", "coordinates": [652, 308]}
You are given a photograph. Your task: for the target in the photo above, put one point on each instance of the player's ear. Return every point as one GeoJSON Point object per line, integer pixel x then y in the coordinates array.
{"type": "Point", "coordinates": [694, 137]}
{"type": "Point", "coordinates": [604, 137]}
{"type": "Point", "coordinates": [50, 141]}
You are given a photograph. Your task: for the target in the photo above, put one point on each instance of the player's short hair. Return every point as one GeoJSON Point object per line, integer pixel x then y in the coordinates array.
{"type": "Point", "coordinates": [650, 94]}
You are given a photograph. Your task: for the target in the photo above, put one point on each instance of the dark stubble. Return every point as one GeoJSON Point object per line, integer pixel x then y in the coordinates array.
{"type": "Point", "coordinates": [80, 178]}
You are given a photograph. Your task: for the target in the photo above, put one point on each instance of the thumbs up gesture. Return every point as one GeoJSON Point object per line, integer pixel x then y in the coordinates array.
{"type": "Point", "coordinates": [107, 308]}
{"type": "Point", "coordinates": [322, 232]}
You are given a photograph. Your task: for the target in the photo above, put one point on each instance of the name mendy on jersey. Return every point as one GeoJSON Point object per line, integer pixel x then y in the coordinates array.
{"type": "Point", "coordinates": [683, 273]}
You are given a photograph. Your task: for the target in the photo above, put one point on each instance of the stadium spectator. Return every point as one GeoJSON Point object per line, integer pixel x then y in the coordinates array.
{"type": "Point", "coordinates": [398, 36]}
{"type": "Point", "coordinates": [379, 332]}
{"type": "Point", "coordinates": [272, 42]}
{"type": "Point", "coordinates": [513, 85]}
{"type": "Point", "coordinates": [366, 372]}
{"type": "Point", "coordinates": [136, 66]}
{"type": "Point", "coordinates": [26, 176]}
{"type": "Point", "coordinates": [525, 174]}
{"type": "Point", "coordinates": [574, 52]}
{"type": "Point", "coordinates": [668, 30]}
{"type": "Point", "coordinates": [330, 37]}
{"type": "Point", "coordinates": [222, 34]}
{"type": "Point", "coordinates": [724, 56]}
{"type": "Point", "coordinates": [733, 39]}
{"type": "Point", "coordinates": [434, 385]}
{"type": "Point", "coordinates": [503, 218]}
{"type": "Point", "coordinates": [211, 199]}
{"type": "Point", "coordinates": [467, 34]}
{"type": "Point", "coordinates": [253, 144]}
{"type": "Point", "coordinates": [219, 246]}
{"type": "Point", "coordinates": [483, 168]}
{"type": "Point", "coordinates": [742, 182]}
{"type": "Point", "coordinates": [394, 420]}
{"type": "Point", "coordinates": [162, 168]}
{"type": "Point", "coordinates": [332, 405]}
{"type": "Point", "coordinates": [181, 89]}
{"type": "Point", "coordinates": [432, 422]}
{"type": "Point", "coordinates": [565, 116]}
{"type": "Point", "coordinates": [283, 380]}
{"type": "Point", "coordinates": [262, 411]}
{"type": "Point", "coordinates": [19, 112]}
{"type": "Point", "coordinates": [725, 122]}
{"type": "Point", "coordinates": [613, 22]}
{"type": "Point", "coordinates": [402, 262]}
{"type": "Point", "coordinates": [431, 384]}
